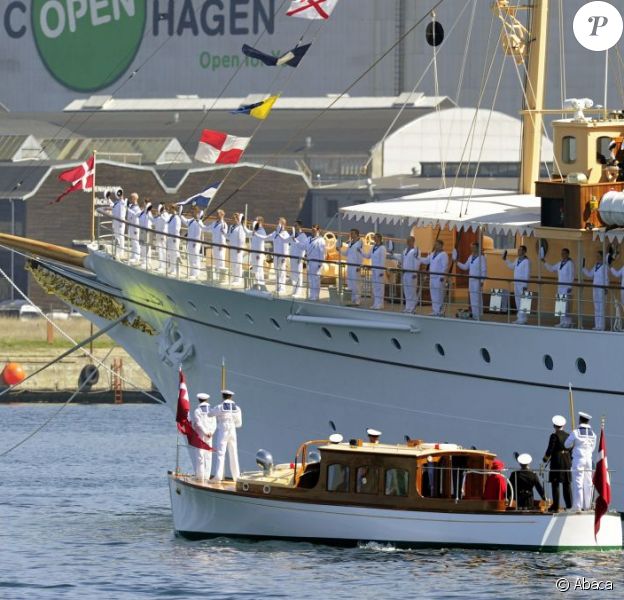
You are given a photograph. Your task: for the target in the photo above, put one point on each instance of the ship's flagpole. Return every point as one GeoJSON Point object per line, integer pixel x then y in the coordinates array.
{"type": "Point", "coordinates": [93, 199]}
{"type": "Point", "coordinates": [571, 402]}
{"type": "Point", "coordinates": [223, 378]}
{"type": "Point", "coordinates": [606, 80]}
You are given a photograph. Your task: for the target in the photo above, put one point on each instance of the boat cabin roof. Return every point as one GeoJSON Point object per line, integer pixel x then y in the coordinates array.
{"type": "Point", "coordinates": [416, 450]}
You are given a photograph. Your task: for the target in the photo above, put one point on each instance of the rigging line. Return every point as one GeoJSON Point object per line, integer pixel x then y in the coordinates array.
{"type": "Point", "coordinates": [416, 85]}
{"type": "Point", "coordinates": [465, 58]}
{"type": "Point", "coordinates": [54, 414]}
{"type": "Point", "coordinates": [67, 336]}
{"type": "Point", "coordinates": [562, 63]}
{"type": "Point", "coordinates": [618, 73]}
{"type": "Point", "coordinates": [436, 90]}
{"type": "Point", "coordinates": [329, 106]}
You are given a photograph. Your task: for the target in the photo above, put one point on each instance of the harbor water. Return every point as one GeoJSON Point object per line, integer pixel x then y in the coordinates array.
{"type": "Point", "coordinates": [85, 513]}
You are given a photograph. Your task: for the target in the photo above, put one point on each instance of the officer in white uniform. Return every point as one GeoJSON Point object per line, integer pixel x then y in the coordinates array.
{"type": "Point", "coordinates": [438, 267]}
{"type": "Point", "coordinates": [599, 276]}
{"type": "Point", "coordinates": [132, 216]}
{"type": "Point", "coordinates": [237, 236]}
{"type": "Point", "coordinates": [205, 426]}
{"type": "Point", "coordinates": [119, 225]}
{"type": "Point", "coordinates": [219, 230]}
{"type": "Point", "coordinates": [160, 239]}
{"type": "Point", "coordinates": [195, 229]}
{"type": "Point", "coordinates": [146, 221]}
{"type": "Point", "coordinates": [476, 265]}
{"type": "Point", "coordinates": [297, 251]}
{"type": "Point", "coordinates": [373, 435]}
{"type": "Point", "coordinates": [619, 273]}
{"type": "Point", "coordinates": [174, 227]}
{"type": "Point", "coordinates": [353, 253]}
{"type": "Point", "coordinates": [565, 277]}
{"type": "Point", "coordinates": [315, 251]}
{"type": "Point", "coordinates": [258, 237]}
{"type": "Point", "coordinates": [281, 239]}
{"type": "Point", "coordinates": [410, 263]}
{"type": "Point", "coordinates": [522, 271]}
{"type": "Point", "coordinates": [377, 257]}
{"type": "Point", "coordinates": [582, 441]}
{"type": "Point", "coordinates": [229, 418]}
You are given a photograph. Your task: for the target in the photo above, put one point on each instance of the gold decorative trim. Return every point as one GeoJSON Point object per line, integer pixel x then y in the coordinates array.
{"type": "Point", "coordinates": [96, 302]}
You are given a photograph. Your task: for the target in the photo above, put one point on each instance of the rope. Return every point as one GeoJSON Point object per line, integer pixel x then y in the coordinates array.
{"type": "Point", "coordinates": [54, 415]}
{"type": "Point", "coordinates": [465, 58]}
{"type": "Point", "coordinates": [436, 91]}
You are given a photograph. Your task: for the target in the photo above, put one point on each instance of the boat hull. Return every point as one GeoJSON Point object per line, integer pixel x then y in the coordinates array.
{"type": "Point", "coordinates": [207, 511]}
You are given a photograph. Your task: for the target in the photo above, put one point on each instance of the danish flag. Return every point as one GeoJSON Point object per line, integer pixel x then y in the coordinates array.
{"type": "Point", "coordinates": [81, 178]}
{"type": "Point", "coordinates": [311, 9]}
{"type": "Point", "coordinates": [220, 148]}
{"type": "Point", "coordinates": [602, 483]}
{"type": "Point", "coordinates": [182, 417]}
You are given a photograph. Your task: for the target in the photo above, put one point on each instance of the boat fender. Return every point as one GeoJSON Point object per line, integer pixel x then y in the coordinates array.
{"type": "Point", "coordinates": [245, 487]}
{"type": "Point", "coordinates": [88, 377]}
{"type": "Point", "coordinates": [266, 489]}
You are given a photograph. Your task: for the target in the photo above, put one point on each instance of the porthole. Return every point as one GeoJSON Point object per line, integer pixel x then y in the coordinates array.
{"type": "Point", "coordinates": [485, 355]}
{"type": "Point", "coordinates": [354, 337]}
{"type": "Point", "coordinates": [249, 318]}
{"type": "Point", "coordinates": [192, 305]}
{"type": "Point", "coordinates": [327, 332]}
{"type": "Point", "coordinates": [548, 362]}
{"type": "Point", "coordinates": [440, 349]}
{"type": "Point", "coordinates": [396, 343]}
{"type": "Point", "coordinates": [214, 310]}
{"type": "Point", "coordinates": [275, 323]}
{"type": "Point", "coordinates": [581, 365]}
{"type": "Point", "coordinates": [226, 312]}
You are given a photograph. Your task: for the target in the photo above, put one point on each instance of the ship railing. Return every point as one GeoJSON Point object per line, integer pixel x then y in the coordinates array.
{"type": "Point", "coordinates": [267, 273]}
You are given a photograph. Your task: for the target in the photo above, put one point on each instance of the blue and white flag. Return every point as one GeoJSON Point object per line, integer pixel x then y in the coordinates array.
{"type": "Point", "coordinates": [202, 199]}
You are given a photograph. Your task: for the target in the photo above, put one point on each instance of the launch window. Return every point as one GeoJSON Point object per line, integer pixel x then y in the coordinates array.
{"type": "Point", "coordinates": [366, 480]}
{"type": "Point", "coordinates": [568, 150]}
{"type": "Point", "coordinates": [397, 482]}
{"type": "Point", "coordinates": [337, 478]}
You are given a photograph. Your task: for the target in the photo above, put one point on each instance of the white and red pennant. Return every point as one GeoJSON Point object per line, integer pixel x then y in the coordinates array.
{"type": "Point", "coordinates": [216, 147]}
{"type": "Point", "coordinates": [311, 9]}
{"type": "Point", "coordinates": [81, 178]}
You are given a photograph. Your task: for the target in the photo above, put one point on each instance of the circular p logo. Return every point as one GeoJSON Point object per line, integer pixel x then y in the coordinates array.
{"type": "Point", "coordinates": [598, 26]}
{"type": "Point", "coordinates": [88, 44]}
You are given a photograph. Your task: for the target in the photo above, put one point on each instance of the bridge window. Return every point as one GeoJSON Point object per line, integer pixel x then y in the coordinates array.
{"type": "Point", "coordinates": [396, 483]}
{"type": "Point", "coordinates": [602, 148]}
{"type": "Point", "coordinates": [337, 478]}
{"type": "Point", "coordinates": [568, 149]}
{"type": "Point", "coordinates": [366, 480]}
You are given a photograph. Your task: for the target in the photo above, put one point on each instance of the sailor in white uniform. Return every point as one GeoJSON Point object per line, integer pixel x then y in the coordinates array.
{"type": "Point", "coordinates": [377, 255]}
{"type": "Point", "coordinates": [119, 225]}
{"type": "Point", "coordinates": [315, 252]}
{"type": "Point", "coordinates": [600, 277]}
{"type": "Point", "coordinates": [297, 252]}
{"type": "Point", "coordinates": [619, 273]}
{"type": "Point", "coordinates": [236, 238]}
{"type": "Point", "coordinates": [410, 264]}
{"type": "Point", "coordinates": [146, 221]}
{"type": "Point", "coordinates": [582, 442]}
{"type": "Point", "coordinates": [229, 418]}
{"type": "Point", "coordinates": [219, 230]}
{"type": "Point", "coordinates": [132, 216]}
{"type": "Point", "coordinates": [258, 237]}
{"type": "Point", "coordinates": [195, 229]}
{"type": "Point", "coordinates": [174, 227]}
{"type": "Point", "coordinates": [160, 239]}
{"type": "Point", "coordinates": [565, 277]}
{"type": "Point", "coordinates": [522, 271]}
{"type": "Point", "coordinates": [438, 267]}
{"type": "Point", "coordinates": [353, 253]}
{"type": "Point", "coordinates": [281, 239]}
{"type": "Point", "coordinates": [476, 265]}
{"type": "Point", "coordinates": [205, 426]}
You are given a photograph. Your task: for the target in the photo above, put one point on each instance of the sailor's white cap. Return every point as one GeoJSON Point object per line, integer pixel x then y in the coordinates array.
{"type": "Point", "coordinates": [373, 432]}
{"type": "Point", "coordinates": [227, 392]}
{"type": "Point", "coordinates": [202, 397]}
{"type": "Point", "coordinates": [558, 421]}
{"type": "Point", "coordinates": [524, 459]}
{"type": "Point", "coordinates": [584, 415]}
{"type": "Point", "coordinates": [335, 438]}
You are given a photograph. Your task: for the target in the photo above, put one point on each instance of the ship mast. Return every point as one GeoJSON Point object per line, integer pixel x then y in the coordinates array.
{"type": "Point", "coordinates": [534, 102]}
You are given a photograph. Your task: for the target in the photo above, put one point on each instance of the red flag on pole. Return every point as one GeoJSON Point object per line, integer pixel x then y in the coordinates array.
{"type": "Point", "coordinates": [311, 9]}
{"type": "Point", "coordinates": [81, 178]}
{"type": "Point", "coordinates": [184, 425]}
{"type": "Point", "coordinates": [602, 483]}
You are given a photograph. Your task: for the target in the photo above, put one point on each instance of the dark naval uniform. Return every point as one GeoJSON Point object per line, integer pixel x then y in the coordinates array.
{"type": "Point", "coordinates": [523, 482]}
{"type": "Point", "coordinates": [560, 463]}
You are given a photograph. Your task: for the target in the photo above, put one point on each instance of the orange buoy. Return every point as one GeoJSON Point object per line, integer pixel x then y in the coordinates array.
{"type": "Point", "coordinates": [12, 374]}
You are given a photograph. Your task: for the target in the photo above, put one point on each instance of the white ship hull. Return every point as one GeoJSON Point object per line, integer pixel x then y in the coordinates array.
{"type": "Point", "coordinates": [290, 381]}
{"type": "Point", "coordinates": [206, 511]}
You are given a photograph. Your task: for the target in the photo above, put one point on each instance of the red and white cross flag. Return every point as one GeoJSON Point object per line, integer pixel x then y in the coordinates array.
{"type": "Point", "coordinates": [81, 178]}
{"type": "Point", "coordinates": [216, 147]}
{"type": "Point", "coordinates": [602, 482]}
{"type": "Point", "coordinates": [182, 417]}
{"type": "Point", "coordinates": [311, 9]}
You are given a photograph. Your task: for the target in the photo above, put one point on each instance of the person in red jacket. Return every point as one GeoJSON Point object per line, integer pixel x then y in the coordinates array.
{"type": "Point", "coordinates": [495, 484]}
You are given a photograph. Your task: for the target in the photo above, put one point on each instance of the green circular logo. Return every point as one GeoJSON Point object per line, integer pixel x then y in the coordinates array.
{"type": "Point", "coordinates": [88, 44]}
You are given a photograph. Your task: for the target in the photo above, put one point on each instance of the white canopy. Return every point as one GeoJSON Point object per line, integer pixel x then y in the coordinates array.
{"type": "Point", "coordinates": [456, 208]}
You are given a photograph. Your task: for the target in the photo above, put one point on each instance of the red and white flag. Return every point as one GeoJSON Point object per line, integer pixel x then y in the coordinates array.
{"type": "Point", "coordinates": [602, 483]}
{"type": "Point", "coordinates": [185, 427]}
{"type": "Point", "coordinates": [220, 148]}
{"type": "Point", "coordinates": [81, 178]}
{"type": "Point", "coordinates": [311, 9]}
